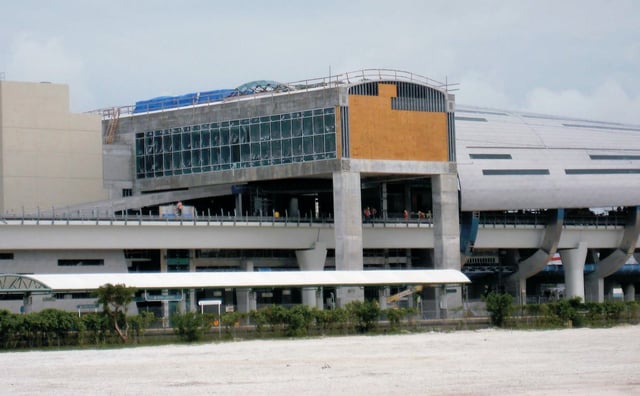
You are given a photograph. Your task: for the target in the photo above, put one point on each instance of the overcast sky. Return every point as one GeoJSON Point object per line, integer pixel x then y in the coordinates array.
{"type": "Point", "coordinates": [575, 58]}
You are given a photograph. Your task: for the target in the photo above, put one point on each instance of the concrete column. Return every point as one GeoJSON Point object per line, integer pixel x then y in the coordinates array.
{"type": "Point", "coordinates": [27, 303]}
{"type": "Point", "coordinates": [446, 233]}
{"type": "Point", "coordinates": [445, 221]}
{"type": "Point", "coordinates": [312, 260]}
{"type": "Point", "coordinates": [239, 204]}
{"type": "Point", "coordinates": [165, 304]}
{"type": "Point", "coordinates": [383, 293]}
{"type": "Point", "coordinates": [630, 292]}
{"type": "Point", "coordinates": [348, 230]}
{"type": "Point", "coordinates": [245, 297]}
{"type": "Point", "coordinates": [384, 204]}
{"type": "Point", "coordinates": [517, 282]}
{"type": "Point", "coordinates": [614, 261]}
{"type": "Point", "coordinates": [573, 263]}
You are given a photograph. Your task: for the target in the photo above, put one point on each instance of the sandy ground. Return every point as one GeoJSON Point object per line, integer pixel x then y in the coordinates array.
{"type": "Point", "coordinates": [483, 362]}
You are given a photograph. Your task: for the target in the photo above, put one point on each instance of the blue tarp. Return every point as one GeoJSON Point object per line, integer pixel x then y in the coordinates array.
{"type": "Point", "coordinates": [170, 102]}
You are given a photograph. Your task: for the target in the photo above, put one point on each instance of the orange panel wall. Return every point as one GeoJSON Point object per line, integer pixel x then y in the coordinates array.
{"type": "Point", "coordinates": [378, 132]}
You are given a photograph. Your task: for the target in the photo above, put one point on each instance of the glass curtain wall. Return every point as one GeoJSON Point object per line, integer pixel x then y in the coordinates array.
{"type": "Point", "coordinates": [249, 142]}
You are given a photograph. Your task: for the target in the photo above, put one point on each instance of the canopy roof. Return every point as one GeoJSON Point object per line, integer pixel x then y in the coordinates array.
{"type": "Point", "coordinates": [46, 283]}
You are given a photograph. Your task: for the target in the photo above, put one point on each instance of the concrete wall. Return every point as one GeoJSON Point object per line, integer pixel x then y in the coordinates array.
{"type": "Point", "coordinates": [50, 157]}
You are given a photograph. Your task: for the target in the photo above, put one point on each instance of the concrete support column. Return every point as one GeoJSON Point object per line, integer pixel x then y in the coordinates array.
{"type": "Point", "coordinates": [517, 282]}
{"type": "Point", "coordinates": [630, 292]}
{"type": "Point", "coordinates": [239, 204]}
{"type": "Point", "coordinates": [27, 303]}
{"type": "Point", "coordinates": [573, 263]}
{"type": "Point", "coordinates": [312, 260]}
{"type": "Point", "coordinates": [245, 297]}
{"type": "Point", "coordinates": [165, 304]}
{"type": "Point", "coordinates": [383, 293]}
{"type": "Point", "coordinates": [384, 205]}
{"type": "Point", "coordinates": [446, 225]}
{"type": "Point", "coordinates": [348, 230]}
{"type": "Point", "coordinates": [446, 233]}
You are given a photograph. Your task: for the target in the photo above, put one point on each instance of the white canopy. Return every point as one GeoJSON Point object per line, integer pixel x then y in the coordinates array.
{"type": "Point", "coordinates": [189, 280]}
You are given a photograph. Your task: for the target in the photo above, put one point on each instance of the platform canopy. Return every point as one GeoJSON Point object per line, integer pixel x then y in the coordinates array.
{"type": "Point", "coordinates": [48, 283]}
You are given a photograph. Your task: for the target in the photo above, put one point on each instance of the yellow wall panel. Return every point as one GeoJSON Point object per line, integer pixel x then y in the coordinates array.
{"type": "Point", "coordinates": [378, 132]}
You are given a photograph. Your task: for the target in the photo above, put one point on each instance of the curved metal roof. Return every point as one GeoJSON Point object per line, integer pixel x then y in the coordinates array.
{"type": "Point", "coordinates": [47, 283]}
{"type": "Point", "coordinates": [510, 160]}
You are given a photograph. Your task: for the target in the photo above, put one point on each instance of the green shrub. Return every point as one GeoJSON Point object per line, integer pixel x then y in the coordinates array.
{"type": "Point", "coordinates": [395, 315]}
{"type": "Point", "coordinates": [189, 326]}
{"type": "Point", "coordinates": [500, 307]}
{"type": "Point", "coordinates": [364, 314]}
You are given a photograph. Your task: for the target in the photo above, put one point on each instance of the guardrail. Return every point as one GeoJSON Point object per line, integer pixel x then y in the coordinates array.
{"type": "Point", "coordinates": [331, 81]}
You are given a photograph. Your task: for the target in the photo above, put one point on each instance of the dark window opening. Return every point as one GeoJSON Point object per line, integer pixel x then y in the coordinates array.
{"type": "Point", "coordinates": [80, 262]}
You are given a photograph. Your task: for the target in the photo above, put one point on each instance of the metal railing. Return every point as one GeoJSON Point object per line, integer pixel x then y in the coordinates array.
{"type": "Point", "coordinates": [343, 79]}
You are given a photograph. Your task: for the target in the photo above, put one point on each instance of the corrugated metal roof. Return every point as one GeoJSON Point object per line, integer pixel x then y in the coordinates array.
{"type": "Point", "coordinates": [188, 280]}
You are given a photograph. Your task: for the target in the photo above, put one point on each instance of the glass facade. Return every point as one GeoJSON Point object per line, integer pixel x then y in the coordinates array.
{"type": "Point", "coordinates": [249, 142]}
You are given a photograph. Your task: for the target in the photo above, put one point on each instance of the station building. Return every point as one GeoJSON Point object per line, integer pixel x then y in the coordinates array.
{"type": "Point", "coordinates": [357, 152]}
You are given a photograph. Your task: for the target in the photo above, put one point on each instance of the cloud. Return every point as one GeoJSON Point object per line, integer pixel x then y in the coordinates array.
{"type": "Point", "coordinates": [36, 59]}
{"type": "Point", "coordinates": [608, 102]}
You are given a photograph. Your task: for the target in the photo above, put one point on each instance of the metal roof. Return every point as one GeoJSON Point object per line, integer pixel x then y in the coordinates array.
{"type": "Point", "coordinates": [186, 280]}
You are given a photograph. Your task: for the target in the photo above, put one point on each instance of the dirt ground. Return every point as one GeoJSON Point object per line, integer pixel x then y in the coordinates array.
{"type": "Point", "coordinates": [482, 362]}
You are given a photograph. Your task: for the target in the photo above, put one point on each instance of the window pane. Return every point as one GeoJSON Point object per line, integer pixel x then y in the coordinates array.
{"type": "Point", "coordinates": [177, 160]}
{"type": "Point", "coordinates": [186, 141]}
{"type": "Point", "coordinates": [195, 157]}
{"type": "Point", "coordinates": [225, 155]}
{"type": "Point", "coordinates": [285, 126]}
{"type": "Point", "coordinates": [215, 138]}
{"type": "Point", "coordinates": [308, 145]}
{"type": "Point", "coordinates": [296, 125]}
{"type": "Point", "coordinates": [235, 133]}
{"type": "Point", "coordinates": [330, 143]}
{"type": "Point", "coordinates": [224, 136]}
{"type": "Point", "coordinates": [195, 139]}
{"type": "Point", "coordinates": [255, 151]}
{"type": "Point", "coordinates": [265, 150]}
{"type": "Point", "coordinates": [318, 125]}
{"type": "Point", "coordinates": [206, 157]}
{"type": "Point", "coordinates": [235, 153]}
{"type": "Point", "coordinates": [255, 131]}
{"type": "Point", "coordinates": [307, 126]}
{"type": "Point", "coordinates": [297, 146]}
{"type": "Point", "coordinates": [275, 129]}
{"type": "Point", "coordinates": [215, 156]}
{"type": "Point", "coordinates": [286, 149]}
{"type": "Point", "coordinates": [206, 138]}
{"type": "Point", "coordinates": [265, 131]}
{"type": "Point", "coordinates": [318, 144]}
{"type": "Point", "coordinates": [276, 150]}
{"type": "Point", "coordinates": [245, 153]}
{"type": "Point", "coordinates": [330, 123]}
{"type": "Point", "coordinates": [177, 142]}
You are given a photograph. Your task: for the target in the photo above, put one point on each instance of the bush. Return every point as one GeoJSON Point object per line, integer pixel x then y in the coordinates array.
{"type": "Point", "coordinates": [189, 326]}
{"type": "Point", "coordinates": [395, 315]}
{"type": "Point", "coordinates": [299, 319]}
{"type": "Point", "coordinates": [500, 307]}
{"type": "Point", "coordinates": [364, 314]}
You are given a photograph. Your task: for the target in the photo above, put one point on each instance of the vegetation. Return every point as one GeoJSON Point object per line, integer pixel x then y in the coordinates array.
{"type": "Point", "coordinates": [500, 307]}
{"type": "Point", "coordinates": [55, 328]}
{"type": "Point", "coordinates": [115, 300]}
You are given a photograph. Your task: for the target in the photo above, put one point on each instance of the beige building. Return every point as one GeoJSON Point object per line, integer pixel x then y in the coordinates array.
{"type": "Point", "coordinates": [48, 156]}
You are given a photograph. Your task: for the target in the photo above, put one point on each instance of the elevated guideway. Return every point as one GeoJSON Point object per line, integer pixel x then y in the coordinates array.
{"type": "Point", "coordinates": [262, 233]}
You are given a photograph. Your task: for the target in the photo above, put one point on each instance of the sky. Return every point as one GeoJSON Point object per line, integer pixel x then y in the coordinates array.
{"type": "Point", "coordinates": [577, 58]}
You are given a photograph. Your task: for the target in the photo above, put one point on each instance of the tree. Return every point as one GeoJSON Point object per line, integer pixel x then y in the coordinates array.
{"type": "Point", "coordinates": [115, 300]}
{"type": "Point", "coordinates": [499, 307]}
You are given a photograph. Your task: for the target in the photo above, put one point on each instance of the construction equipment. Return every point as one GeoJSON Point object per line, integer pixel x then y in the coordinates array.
{"type": "Point", "coordinates": [395, 298]}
